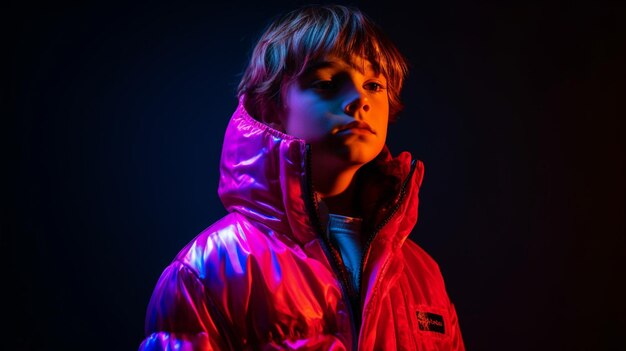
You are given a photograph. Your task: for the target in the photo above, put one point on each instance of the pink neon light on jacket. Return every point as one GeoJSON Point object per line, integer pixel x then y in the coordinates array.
{"type": "Point", "coordinates": [264, 278]}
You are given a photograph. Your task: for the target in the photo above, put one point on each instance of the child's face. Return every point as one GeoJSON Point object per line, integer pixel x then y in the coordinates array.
{"type": "Point", "coordinates": [341, 109]}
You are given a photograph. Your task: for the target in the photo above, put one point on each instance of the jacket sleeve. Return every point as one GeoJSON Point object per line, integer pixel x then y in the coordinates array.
{"type": "Point", "coordinates": [180, 315]}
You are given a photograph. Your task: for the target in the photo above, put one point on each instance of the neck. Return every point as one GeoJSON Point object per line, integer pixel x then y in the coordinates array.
{"type": "Point", "coordinates": [337, 189]}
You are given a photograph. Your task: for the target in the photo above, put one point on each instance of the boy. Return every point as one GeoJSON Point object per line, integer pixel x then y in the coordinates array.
{"type": "Point", "coordinates": [313, 254]}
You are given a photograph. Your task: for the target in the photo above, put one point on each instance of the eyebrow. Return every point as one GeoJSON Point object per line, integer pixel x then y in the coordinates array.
{"type": "Point", "coordinates": [331, 64]}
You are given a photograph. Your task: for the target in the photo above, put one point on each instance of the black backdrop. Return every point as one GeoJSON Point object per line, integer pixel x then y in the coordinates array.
{"type": "Point", "coordinates": [113, 127]}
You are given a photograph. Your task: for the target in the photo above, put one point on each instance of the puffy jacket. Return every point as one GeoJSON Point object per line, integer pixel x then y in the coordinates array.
{"type": "Point", "coordinates": [265, 276]}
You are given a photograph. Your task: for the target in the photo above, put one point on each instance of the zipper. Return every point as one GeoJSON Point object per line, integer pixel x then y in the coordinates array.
{"type": "Point", "coordinates": [382, 223]}
{"type": "Point", "coordinates": [335, 261]}
{"type": "Point", "coordinates": [349, 293]}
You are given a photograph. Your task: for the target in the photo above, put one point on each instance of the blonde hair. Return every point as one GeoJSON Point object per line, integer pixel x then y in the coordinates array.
{"type": "Point", "coordinates": [305, 35]}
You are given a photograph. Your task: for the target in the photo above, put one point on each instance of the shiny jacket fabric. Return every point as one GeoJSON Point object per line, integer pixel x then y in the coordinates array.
{"type": "Point", "coordinates": [265, 277]}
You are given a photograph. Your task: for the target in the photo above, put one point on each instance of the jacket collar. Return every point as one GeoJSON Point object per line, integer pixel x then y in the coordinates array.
{"type": "Point", "coordinates": [262, 174]}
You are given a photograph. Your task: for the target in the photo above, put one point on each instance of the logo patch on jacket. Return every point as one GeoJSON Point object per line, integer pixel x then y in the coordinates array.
{"type": "Point", "coordinates": [432, 322]}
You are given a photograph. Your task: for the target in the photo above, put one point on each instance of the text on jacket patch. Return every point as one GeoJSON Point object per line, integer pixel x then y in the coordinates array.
{"type": "Point", "coordinates": [432, 322]}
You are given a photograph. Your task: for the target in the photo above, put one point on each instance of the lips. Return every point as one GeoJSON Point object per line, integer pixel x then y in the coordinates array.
{"type": "Point", "coordinates": [357, 126]}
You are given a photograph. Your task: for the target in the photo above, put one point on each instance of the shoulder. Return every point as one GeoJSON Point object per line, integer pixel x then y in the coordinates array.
{"type": "Point", "coordinates": [414, 253]}
{"type": "Point", "coordinates": [421, 267]}
{"type": "Point", "coordinates": [228, 245]}
{"type": "Point", "coordinates": [224, 244]}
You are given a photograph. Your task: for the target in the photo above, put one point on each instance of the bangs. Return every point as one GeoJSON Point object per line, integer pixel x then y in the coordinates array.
{"type": "Point", "coordinates": [342, 35]}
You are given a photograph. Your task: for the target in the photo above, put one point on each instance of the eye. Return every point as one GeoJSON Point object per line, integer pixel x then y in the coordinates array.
{"type": "Point", "coordinates": [324, 85]}
{"type": "Point", "coordinates": [374, 86]}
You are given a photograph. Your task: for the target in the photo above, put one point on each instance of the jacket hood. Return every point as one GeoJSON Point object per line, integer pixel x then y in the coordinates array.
{"type": "Point", "coordinates": [263, 175]}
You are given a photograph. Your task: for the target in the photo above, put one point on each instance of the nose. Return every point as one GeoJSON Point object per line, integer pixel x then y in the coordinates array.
{"type": "Point", "coordinates": [355, 103]}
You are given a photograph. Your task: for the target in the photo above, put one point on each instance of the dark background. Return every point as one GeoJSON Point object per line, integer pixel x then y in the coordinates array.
{"type": "Point", "coordinates": [114, 119]}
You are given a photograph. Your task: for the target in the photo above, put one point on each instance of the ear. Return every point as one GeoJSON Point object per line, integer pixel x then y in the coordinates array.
{"type": "Point", "coordinates": [279, 120]}
{"type": "Point", "coordinates": [275, 119]}
{"type": "Point", "coordinates": [275, 125]}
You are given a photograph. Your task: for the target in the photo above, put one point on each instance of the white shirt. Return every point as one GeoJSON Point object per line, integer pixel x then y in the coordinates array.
{"type": "Point", "coordinates": [345, 235]}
